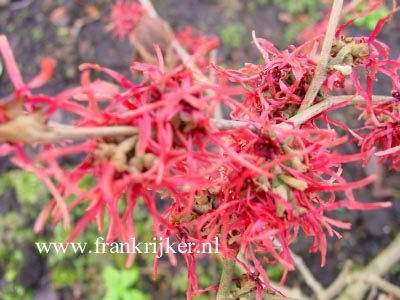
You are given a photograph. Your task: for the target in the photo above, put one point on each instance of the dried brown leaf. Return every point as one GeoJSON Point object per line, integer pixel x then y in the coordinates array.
{"type": "Point", "coordinates": [59, 16]}
{"type": "Point", "coordinates": [148, 32]}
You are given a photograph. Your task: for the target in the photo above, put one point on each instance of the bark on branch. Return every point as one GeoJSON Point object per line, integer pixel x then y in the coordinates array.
{"type": "Point", "coordinates": [321, 70]}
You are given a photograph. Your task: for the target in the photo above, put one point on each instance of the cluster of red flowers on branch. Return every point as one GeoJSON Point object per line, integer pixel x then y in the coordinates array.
{"type": "Point", "coordinates": [366, 57]}
{"type": "Point", "coordinates": [382, 119]}
{"type": "Point", "coordinates": [253, 187]}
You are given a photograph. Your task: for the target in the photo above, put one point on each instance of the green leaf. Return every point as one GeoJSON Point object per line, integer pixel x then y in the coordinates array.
{"type": "Point", "coordinates": [130, 276]}
{"type": "Point", "coordinates": [63, 277]}
{"type": "Point", "coordinates": [232, 35]}
{"type": "Point", "coordinates": [275, 272]}
{"type": "Point", "coordinates": [87, 182]}
{"type": "Point", "coordinates": [4, 183]}
{"type": "Point", "coordinates": [110, 277]}
{"type": "Point", "coordinates": [111, 295]}
{"type": "Point", "coordinates": [135, 294]}
{"type": "Point", "coordinates": [28, 187]}
{"type": "Point", "coordinates": [10, 275]}
{"type": "Point", "coordinates": [371, 19]}
{"type": "Point", "coordinates": [119, 283]}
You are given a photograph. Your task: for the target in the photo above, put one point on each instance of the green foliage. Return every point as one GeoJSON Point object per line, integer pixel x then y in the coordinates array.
{"type": "Point", "coordinates": [101, 276]}
{"type": "Point", "coordinates": [67, 269]}
{"type": "Point", "coordinates": [63, 276]}
{"type": "Point", "coordinates": [369, 21]}
{"type": "Point", "coordinates": [37, 34]}
{"type": "Point", "coordinates": [15, 292]}
{"type": "Point", "coordinates": [252, 6]}
{"type": "Point", "coordinates": [87, 182]}
{"type": "Point", "coordinates": [232, 35]}
{"type": "Point", "coordinates": [395, 269]}
{"type": "Point", "coordinates": [298, 7]}
{"type": "Point", "coordinates": [275, 272]}
{"type": "Point", "coordinates": [30, 190]}
{"type": "Point", "coordinates": [16, 230]}
{"type": "Point", "coordinates": [309, 8]}
{"type": "Point", "coordinates": [120, 284]}
{"type": "Point", "coordinates": [294, 8]}
{"type": "Point", "coordinates": [207, 296]}
{"type": "Point", "coordinates": [70, 269]}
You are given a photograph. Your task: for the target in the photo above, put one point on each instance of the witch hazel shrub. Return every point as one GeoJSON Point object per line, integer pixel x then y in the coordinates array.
{"type": "Point", "coordinates": [252, 182]}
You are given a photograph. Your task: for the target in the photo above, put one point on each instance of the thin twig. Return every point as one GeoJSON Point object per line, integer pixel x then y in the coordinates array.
{"type": "Point", "coordinates": [59, 132]}
{"type": "Point", "coordinates": [309, 278]}
{"type": "Point", "coordinates": [320, 72]}
{"type": "Point", "coordinates": [302, 117]}
{"type": "Point", "coordinates": [266, 295]}
{"type": "Point", "coordinates": [56, 132]}
{"type": "Point", "coordinates": [383, 285]}
{"type": "Point", "coordinates": [378, 266]}
{"type": "Point", "coordinates": [322, 106]}
{"type": "Point", "coordinates": [356, 283]}
{"type": "Point", "coordinates": [339, 283]}
{"type": "Point", "coordinates": [386, 258]}
{"type": "Point", "coordinates": [222, 124]}
{"type": "Point", "coordinates": [148, 6]}
{"type": "Point", "coordinates": [292, 292]}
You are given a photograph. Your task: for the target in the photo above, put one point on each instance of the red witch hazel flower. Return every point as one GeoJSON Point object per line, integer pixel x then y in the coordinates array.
{"type": "Point", "coordinates": [269, 188]}
{"type": "Point", "coordinates": [124, 17]}
{"type": "Point", "coordinates": [381, 114]}
{"type": "Point", "coordinates": [359, 57]}
{"type": "Point", "coordinates": [274, 91]}
{"type": "Point", "coordinates": [277, 181]}
{"type": "Point", "coordinates": [386, 134]}
{"type": "Point", "coordinates": [170, 149]}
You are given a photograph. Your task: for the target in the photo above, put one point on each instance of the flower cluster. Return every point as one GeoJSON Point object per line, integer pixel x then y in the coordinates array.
{"type": "Point", "coordinates": [366, 57]}
{"type": "Point", "coordinates": [381, 117]}
{"type": "Point", "coordinates": [386, 134]}
{"type": "Point", "coordinates": [274, 91]}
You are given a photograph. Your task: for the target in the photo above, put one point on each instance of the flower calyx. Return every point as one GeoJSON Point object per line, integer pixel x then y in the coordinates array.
{"type": "Point", "coordinates": [124, 157]}
{"type": "Point", "coordinates": [347, 53]}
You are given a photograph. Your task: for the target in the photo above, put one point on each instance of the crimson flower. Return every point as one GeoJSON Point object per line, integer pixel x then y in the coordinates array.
{"type": "Point", "coordinates": [124, 17]}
